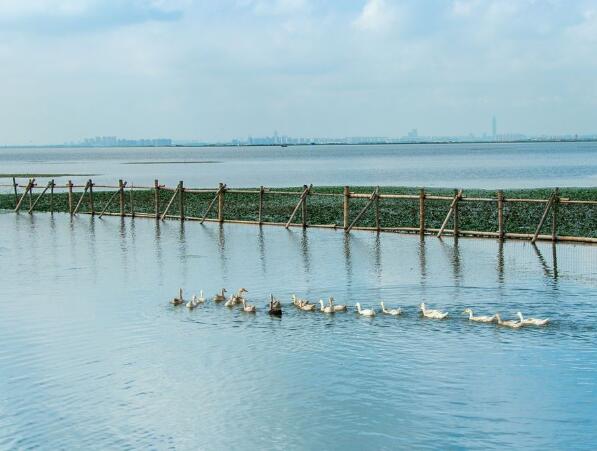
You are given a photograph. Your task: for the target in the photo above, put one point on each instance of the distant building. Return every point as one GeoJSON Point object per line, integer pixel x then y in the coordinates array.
{"type": "Point", "coordinates": [113, 141]}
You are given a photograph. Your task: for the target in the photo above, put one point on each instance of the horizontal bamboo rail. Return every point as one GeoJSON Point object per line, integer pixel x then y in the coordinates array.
{"type": "Point", "coordinates": [373, 200]}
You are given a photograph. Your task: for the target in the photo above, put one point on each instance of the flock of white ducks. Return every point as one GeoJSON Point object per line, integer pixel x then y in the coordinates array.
{"type": "Point", "coordinates": [275, 308]}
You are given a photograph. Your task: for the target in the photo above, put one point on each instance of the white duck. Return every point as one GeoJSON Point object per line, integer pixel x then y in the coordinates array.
{"type": "Point", "coordinates": [479, 319]}
{"type": "Point", "coordinates": [532, 321]}
{"type": "Point", "coordinates": [326, 308]}
{"type": "Point", "coordinates": [298, 302]}
{"type": "Point", "coordinates": [200, 299]}
{"type": "Point", "coordinates": [364, 312]}
{"type": "Point", "coordinates": [393, 311]}
{"type": "Point", "coordinates": [220, 297]}
{"type": "Point", "coordinates": [433, 314]}
{"type": "Point", "coordinates": [192, 303]}
{"type": "Point", "coordinates": [306, 307]}
{"type": "Point", "coordinates": [179, 300]}
{"type": "Point", "coordinates": [236, 299]}
{"type": "Point", "coordinates": [337, 307]}
{"type": "Point", "coordinates": [509, 323]}
{"type": "Point", "coordinates": [248, 307]}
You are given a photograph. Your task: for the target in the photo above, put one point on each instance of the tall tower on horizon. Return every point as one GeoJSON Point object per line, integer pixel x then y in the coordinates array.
{"type": "Point", "coordinates": [494, 127]}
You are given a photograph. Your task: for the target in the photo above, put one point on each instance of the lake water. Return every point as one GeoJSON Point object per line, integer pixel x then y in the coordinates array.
{"type": "Point", "coordinates": [492, 166]}
{"type": "Point", "coordinates": [92, 356]}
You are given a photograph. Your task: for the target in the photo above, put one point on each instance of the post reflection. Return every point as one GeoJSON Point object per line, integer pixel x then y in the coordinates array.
{"type": "Point", "coordinates": [347, 259]}
{"type": "Point", "coordinates": [261, 245]}
{"type": "Point", "coordinates": [158, 250]}
{"type": "Point", "coordinates": [453, 254]}
{"type": "Point", "coordinates": [305, 251]}
{"type": "Point", "coordinates": [220, 241]}
{"type": "Point", "coordinates": [123, 247]}
{"type": "Point", "coordinates": [183, 249]}
{"type": "Point", "coordinates": [422, 262]}
{"type": "Point", "coordinates": [551, 273]}
{"type": "Point", "coordinates": [222, 250]}
{"type": "Point", "coordinates": [377, 256]}
{"type": "Point", "coordinates": [500, 261]}
{"type": "Point", "coordinates": [92, 246]}
{"type": "Point", "coordinates": [554, 260]}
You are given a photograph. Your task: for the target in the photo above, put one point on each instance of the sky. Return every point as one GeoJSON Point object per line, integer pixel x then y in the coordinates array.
{"type": "Point", "coordinates": [220, 69]}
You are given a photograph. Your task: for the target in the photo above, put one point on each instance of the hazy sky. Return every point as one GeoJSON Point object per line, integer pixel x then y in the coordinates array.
{"type": "Point", "coordinates": [219, 69]}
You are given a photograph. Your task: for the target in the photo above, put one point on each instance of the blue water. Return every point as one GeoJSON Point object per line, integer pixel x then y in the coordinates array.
{"type": "Point", "coordinates": [492, 166]}
{"type": "Point", "coordinates": [92, 356]}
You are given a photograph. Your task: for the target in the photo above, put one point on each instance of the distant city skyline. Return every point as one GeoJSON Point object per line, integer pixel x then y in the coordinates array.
{"type": "Point", "coordinates": [281, 139]}
{"type": "Point", "coordinates": [212, 71]}
{"type": "Point", "coordinates": [275, 138]}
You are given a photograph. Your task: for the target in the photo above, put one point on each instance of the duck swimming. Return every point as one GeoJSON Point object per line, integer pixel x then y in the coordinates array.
{"type": "Point", "coordinates": [433, 314]}
{"type": "Point", "coordinates": [192, 303]}
{"type": "Point", "coordinates": [394, 311]}
{"type": "Point", "coordinates": [306, 307]}
{"type": "Point", "coordinates": [220, 297]}
{"type": "Point", "coordinates": [532, 321]}
{"type": "Point", "coordinates": [179, 300]}
{"type": "Point", "coordinates": [337, 307]}
{"type": "Point", "coordinates": [326, 308]}
{"type": "Point", "coordinates": [509, 323]}
{"type": "Point", "coordinates": [298, 302]}
{"type": "Point", "coordinates": [200, 299]}
{"type": "Point", "coordinates": [479, 319]}
{"type": "Point", "coordinates": [275, 307]}
{"type": "Point", "coordinates": [248, 308]}
{"type": "Point", "coordinates": [364, 312]}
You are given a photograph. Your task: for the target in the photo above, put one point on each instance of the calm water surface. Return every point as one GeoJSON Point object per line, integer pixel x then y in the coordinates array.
{"type": "Point", "coordinates": [92, 356]}
{"type": "Point", "coordinates": [520, 165]}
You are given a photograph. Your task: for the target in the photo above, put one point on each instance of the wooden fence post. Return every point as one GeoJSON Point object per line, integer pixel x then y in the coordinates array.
{"type": "Point", "coordinates": [544, 216]}
{"type": "Point", "coordinates": [91, 197]}
{"type": "Point", "coordinates": [554, 217]}
{"type": "Point", "coordinates": [70, 197]}
{"type": "Point", "coordinates": [500, 205]}
{"type": "Point", "coordinates": [377, 212]}
{"type": "Point", "coordinates": [170, 202]}
{"type": "Point", "coordinates": [121, 197]}
{"type": "Point", "coordinates": [156, 185]}
{"type": "Point", "coordinates": [456, 213]}
{"type": "Point", "coordinates": [181, 199]}
{"type": "Point", "coordinates": [81, 198]}
{"type": "Point", "coordinates": [450, 212]}
{"type": "Point", "coordinates": [221, 203]}
{"type": "Point", "coordinates": [14, 185]}
{"type": "Point", "coordinates": [27, 190]}
{"type": "Point", "coordinates": [132, 200]}
{"type": "Point", "coordinates": [346, 207]}
{"type": "Point", "coordinates": [31, 194]}
{"type": "Point", "coordinates": [260, 218]}
{"type": "Point", "coordinates": [362, 212]}
{"type": "Point", "coordinates": [304, 208]}
{"type": "Point", "coordinates": [52, 196]}
{"type": "Point", "coordinates": [422, 211]}
{"type": "Point", "coordinates": [39, 197]}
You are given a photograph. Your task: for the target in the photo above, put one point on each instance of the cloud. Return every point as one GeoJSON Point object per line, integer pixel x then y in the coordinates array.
{"type": "Point", "coordinates": [586, 30]}
{"type": "Point", "coordinates": [63, 16]}
{"type": "Point", "coordinates": [376, 15]}
{"type": "Point", "coordinates": [276, 7]}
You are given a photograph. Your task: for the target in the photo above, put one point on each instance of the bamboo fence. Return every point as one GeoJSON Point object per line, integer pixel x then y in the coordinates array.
{"type": "Point", "coordinates": [80, 194]}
